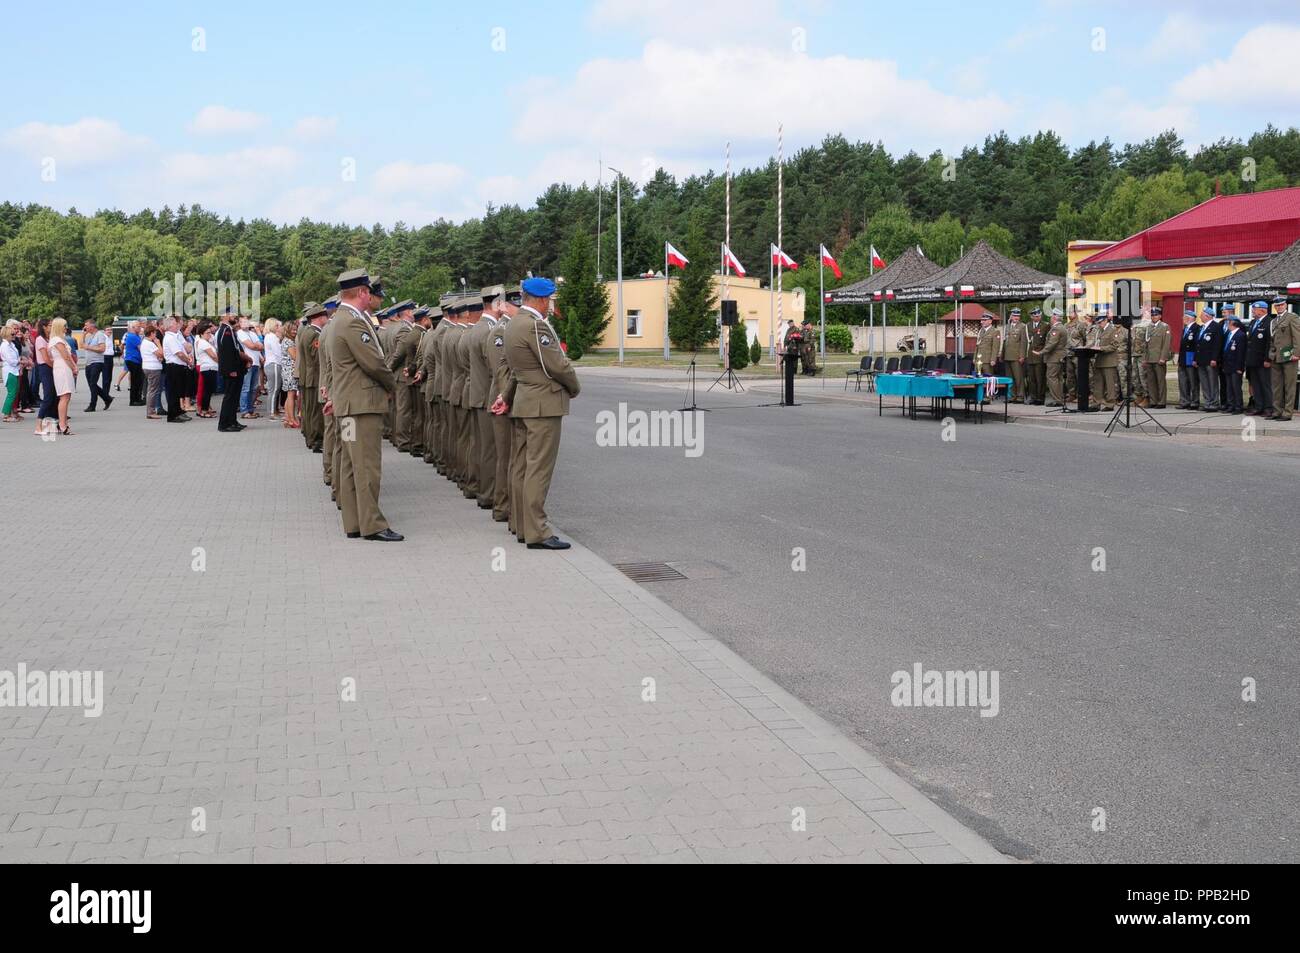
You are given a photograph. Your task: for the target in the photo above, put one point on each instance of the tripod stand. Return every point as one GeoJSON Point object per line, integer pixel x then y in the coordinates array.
{"type": "Point", "coordinates": [727, 378]}
{"type": "Point", "coordinates": [1126, 405]}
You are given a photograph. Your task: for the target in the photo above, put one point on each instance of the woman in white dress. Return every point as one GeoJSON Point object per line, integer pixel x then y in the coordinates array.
{"type": "Point", "coordinates": [65, 370]}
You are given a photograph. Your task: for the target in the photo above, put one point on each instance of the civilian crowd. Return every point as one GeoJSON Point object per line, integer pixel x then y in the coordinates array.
{"type": "Point", "coordinates": [173, 367]}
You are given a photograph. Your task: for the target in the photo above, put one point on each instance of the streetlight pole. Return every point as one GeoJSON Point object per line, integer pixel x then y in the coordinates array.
{"type": "Point", "coordinates": [618, 206]}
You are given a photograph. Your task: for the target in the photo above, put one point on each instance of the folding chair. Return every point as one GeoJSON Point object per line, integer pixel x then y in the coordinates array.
{"type": "Point", "coordinates": [863, 368]}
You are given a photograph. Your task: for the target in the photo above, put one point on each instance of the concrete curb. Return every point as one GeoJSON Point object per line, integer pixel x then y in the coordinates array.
{"type": "Point", "coordinates": [905, 813]}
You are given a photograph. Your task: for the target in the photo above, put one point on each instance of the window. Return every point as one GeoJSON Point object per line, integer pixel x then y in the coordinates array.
{"type": "Point", "coordinates": [634, 324]}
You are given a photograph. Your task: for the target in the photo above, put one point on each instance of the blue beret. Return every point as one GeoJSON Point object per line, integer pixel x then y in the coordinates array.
{"type": "Point", "coordinates": [1189, 312]}
{"type": "Point", "coordinates": [1259, 304]}
{"type": "Point", "coordinates": [1208, 309]}
{"type": "Point", "coordinates": [539, 287]}
{"type": "Point", "coordinates": [1229, 308]}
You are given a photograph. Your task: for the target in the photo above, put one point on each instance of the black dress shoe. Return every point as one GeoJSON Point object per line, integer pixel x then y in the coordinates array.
{"type": "Point", "coordinates": [485, 506]}
{"type": "Point", "coordinates": [521, 539]}
{"type": "Point", "coordinates": [89, 410]}
{"type": "Point", "coordinates": [108, 402]}
{"type": "Point", "coordinates": [317, 450]}
{"type": "Point", "coordinates": [229, 429]}
{"type": "Point", "coordinates": [356, 535]}
{"type": "Point", "coordinates": [551, 542]}
{"type": "Point", "coordinates": [386, 536]}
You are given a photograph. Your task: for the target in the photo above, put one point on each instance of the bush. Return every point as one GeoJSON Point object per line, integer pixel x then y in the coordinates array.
{"type": "Point", "coordinates": [755, 353]}
{"type": "Point", "coordinates": [839, 338]}
{"type": "Point", "coordinates": [738, 345]}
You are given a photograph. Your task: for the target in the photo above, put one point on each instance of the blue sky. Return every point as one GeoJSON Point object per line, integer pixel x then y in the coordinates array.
{"type": "Point", "coordinates": [440, 108]}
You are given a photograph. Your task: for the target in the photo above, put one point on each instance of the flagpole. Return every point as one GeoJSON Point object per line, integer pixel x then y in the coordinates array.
{"type": "Point", "coordinates": [726, 245]}
{"type": "Point", "coordinates": [780, 141]}
{"type": "Point", "coordinates": [600, 191]}
{"type": "Point", "coordinates": [871, 308]}
{"type": "Point", "coordinates": [666, 356]}
{"type": "Point", "coordinates": [771, 307]}
{"type": "Point", "coordinates": [821, 296]}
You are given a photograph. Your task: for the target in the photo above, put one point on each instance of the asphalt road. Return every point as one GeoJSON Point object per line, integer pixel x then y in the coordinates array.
{"type": "Point", "coordinates": [1118, 690]}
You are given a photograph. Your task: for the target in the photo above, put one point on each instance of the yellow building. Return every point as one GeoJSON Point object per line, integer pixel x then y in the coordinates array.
{"type": "Point", "coordinates": [1220, 237]}
{"type": "Point", "coordinates": [643, 306]}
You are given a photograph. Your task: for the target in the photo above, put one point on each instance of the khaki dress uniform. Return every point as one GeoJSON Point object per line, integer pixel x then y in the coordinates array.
{"type": "Point", "coordinates": [1156, 352]}
{"type": "Point", "coordinates": [1015, 349]}
{"type": "Point", "coordinates": [447, 374]}
{"type": "Point", "coordinates": [1035, 364]}
{"type": "Point", "coordinates": [542, 381]}
{"type": "Point", "coordinates": [309, 386]}
{"type": "Point", "coordinates": [361, 392]}
{"type": "Point", "coordinates": [1286, 334]}
{"type": "Point", "coordinates": [502, 429]}
{"type": "Point", "coordinates": [424, 364]}
{"type": "Point", "coordinates": [1076, 335]}
{"type": "Point", "coordinates": [1053, 359]}
{"type": "Point", "coordinates": [408, 391]}
{"type": "Point", "coordinates": [395, 357]}
{"type": "Point", "coordinates": [477, 399]}
{"type": "Point", "coordinates": [331, 461]}
{"type": "Point", "coordinates": [466, 425]}
{"type": "Point", "coordinates": [433, 392]}
{"type": "Point", "coordinates": [988, 345]}
{"type": "Point", "coordinates": [1111, 342]}
{"type": "Point", "coordinates": [386, 331]}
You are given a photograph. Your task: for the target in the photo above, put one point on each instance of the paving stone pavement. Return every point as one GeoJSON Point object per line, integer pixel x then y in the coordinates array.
{"type": "Point", "coordinates": [477, 691]}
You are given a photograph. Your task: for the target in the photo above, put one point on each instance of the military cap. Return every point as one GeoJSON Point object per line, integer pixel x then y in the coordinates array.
{"type": "Point", "coordinates": [1015, 312]}
{"type": "Point", "coordinates": [1279, 299]}
{"type": "Point", "coordinates": [356, 278]}
{"type": "Point", "coordinates": [313, 310]}
{"type": "Point", "coordinates": [1156, 309]}
{"type": "Point", "coordinates": [435, 312]}
{"type": "Point", "coordinates": [331, 303]}
{"type": "Point", "coordinates": [1057, 312]}
{"type": "Point", "coordinates": [986, 316]}
{"type": "Point", "coordinates": [421, 311]}
{"type": "Point", "coordinates": [515, 295]}
{"type": "Point", "coordinates": [1036, 313]}
{"type": "Point", "coordinates": [407, 305]}
{"type": "Point", "coordinates": [492, 292]}
{"type": "Point", "coordinates": [539, 287]}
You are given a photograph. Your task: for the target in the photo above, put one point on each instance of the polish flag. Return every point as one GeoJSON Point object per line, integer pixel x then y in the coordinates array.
{"type": "Point", "coordinates": [1076, 287]}
{"type": "Point", "coordinates": [876, 260]}
{"type": "Point", "coordinates": [830, 263]}
{"type": "Point", "coordinates": [675, 257]}
{"type": "Point", "coordinates": [947, 291]}
{"type": "Point", "coordinates": [878, 295]}
{"type": "Point", "coordinates": [783, 260]}
{"type": "Point", "coordinates": [968, 291]}
{"type": "Point", "coordinates": [1193, 292]}
{"type": "Point", "coordinates": [731, 261]}
{"type": "Point", "coordinates": [889, 294]}
{"type": "Point", "coordinates": [1293, 287]}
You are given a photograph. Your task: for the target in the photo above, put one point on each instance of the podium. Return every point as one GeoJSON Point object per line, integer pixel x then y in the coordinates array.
{"type": "Point", "coordinates": [1083, 358]}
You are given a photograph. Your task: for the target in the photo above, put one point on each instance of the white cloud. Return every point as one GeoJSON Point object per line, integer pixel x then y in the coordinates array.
{"type": "Point", "coordinates": [674, 101]}
{"type": "Point", "coordinates": [221, 120]}
{"type": "Point", "coordinates": [254, 165]}
{"type": "Point", "coordinates": [1260, 69]}
{"type": "Point", "coordinates": [414, 178]}
{"type": "Point", "coordinates": [85, 142]}
{"type": "Point", "coordinates": [1180, 35]}
{"type": "Point", "coordinates": [315, 128]}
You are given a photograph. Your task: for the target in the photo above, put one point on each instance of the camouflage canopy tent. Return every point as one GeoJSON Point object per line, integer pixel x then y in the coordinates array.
{"type": "Point", "coordinates": [909, 268]}
{"type": "Point", "coordinates": [1278, 275]}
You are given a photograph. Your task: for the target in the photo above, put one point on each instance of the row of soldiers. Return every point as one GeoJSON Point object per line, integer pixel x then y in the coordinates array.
{"type": "Point", "coordinates": [1040, 358]}
{"type": "Point", "coordinates": [477, 386]}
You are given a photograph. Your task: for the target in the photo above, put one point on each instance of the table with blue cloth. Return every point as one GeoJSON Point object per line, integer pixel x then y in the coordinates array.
{"type": "Point", "coordinates": [941, 389]}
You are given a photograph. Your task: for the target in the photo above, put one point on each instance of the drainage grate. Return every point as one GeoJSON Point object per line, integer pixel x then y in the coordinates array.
{"type": "Point", "coordinates": [649, 572]}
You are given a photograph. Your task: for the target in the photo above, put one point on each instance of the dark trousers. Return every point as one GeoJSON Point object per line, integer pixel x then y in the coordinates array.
{"type": "Point", "coordinates": [230, 401]}
{"type": "Point", "coordinates": [136, 372]}
{"type": "Point", "coordinates": [1261, 388]}
{"type": "Point", "coordinates": [45, 383]}
{"type": "Point", "coordinates": [1189, 386]}
{"type": "Point", "coordinates": [97, 379]}
{"type": "Point", "coordinates": [174, 375]}
{"type": "Point", "coordinates": [1232, 391]}
{"type": "Point", "coordinates": [209, 388]}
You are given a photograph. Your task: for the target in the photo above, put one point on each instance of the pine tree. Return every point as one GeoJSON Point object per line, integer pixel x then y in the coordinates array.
{"type": "Point", "coordinates": [755, 352]}
{"type": "Point", "coordinates": [691, 314]}
{"type": "Point", "coordinates": [738, 347]}
{"type": "Point", "coordinates": [583, 303]}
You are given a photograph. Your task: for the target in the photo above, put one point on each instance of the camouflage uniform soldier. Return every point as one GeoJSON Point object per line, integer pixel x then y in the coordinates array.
{"type": "Point", "coordinates": [1076, 335]}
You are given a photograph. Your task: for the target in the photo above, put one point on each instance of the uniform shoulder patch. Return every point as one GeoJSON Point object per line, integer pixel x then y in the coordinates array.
{"type": "Point", "coordinates": [546, 340]}
{"type": "Point", "coordinates": [365, 338]}
{"type": "Point", "coordinates": [499, 341]}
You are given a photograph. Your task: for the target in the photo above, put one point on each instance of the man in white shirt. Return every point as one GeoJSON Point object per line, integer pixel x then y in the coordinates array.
{"type": "Point", "coordinates": [251, 342]}
{"type": "Point", "coordinates": [176, 360]}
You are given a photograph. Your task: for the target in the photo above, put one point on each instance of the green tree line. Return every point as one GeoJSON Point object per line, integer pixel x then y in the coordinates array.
{"type": "Point", "coordinates": [1026, 196]}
